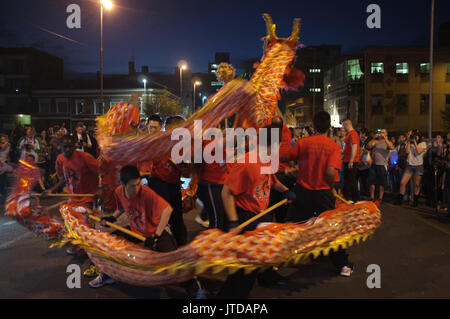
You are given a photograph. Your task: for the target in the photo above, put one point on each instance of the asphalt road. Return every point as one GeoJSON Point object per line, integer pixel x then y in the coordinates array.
{"type": "Point", "coordinates": [412, 249]}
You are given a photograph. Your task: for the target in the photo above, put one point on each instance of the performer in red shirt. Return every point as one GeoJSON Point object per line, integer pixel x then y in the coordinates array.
{"type": "Point", "coordinates": [211, 177]}
{"type": "Point", "coordinates": [78, 170]}
{"type": "Point", "coordinates": [165, 181]}
{"type": "Point", "coordinates": [286, 173]}
{"type": "Point", "coordinates": [351, 161]}
{"type": "Point", "coordinates": [148, 215]}
{"type": "Point", "coordinates": [246, 193]}
{"type": "Point", "coordinates": [319, 159]}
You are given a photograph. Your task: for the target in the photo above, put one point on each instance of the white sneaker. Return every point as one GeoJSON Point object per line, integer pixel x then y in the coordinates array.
{"type": "Point", "coordinates": [100, 281]}
{"type": "Point", "coordinates": [346, 271]}
{"type": "Point", "coordinates": [203, 223]}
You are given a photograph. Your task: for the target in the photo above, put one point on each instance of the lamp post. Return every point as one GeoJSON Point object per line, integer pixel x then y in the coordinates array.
{"type": "Point", "coordinates": [193, 102]}
{"type": "Point", "coordinates": [108, 5]}
{"type": "Point", "coordinates": [145, 94]}
{"type": "Point", "coordinates": [430, 107]}
{"type": "Point", "coordinates": [183, 66]}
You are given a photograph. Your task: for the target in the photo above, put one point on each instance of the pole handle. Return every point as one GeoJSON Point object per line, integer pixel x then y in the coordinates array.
{"type": "Point", "coordinates": [264, 212]}
{"type": "Point", "coordinates": [124, 230]}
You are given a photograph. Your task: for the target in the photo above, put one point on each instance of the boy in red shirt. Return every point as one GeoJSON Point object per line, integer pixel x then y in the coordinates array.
{"type": "Point", "coordinates": [351, 161]}
{"type": "Point", "coordinates": [148, 214]}
{"type": "Point", "coordinates": [319, 159]}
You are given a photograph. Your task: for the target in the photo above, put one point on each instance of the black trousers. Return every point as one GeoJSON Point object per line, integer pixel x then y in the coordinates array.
{"type": "Point", "coordinates": [239, 285]}
{"type": "Point", "coordinates": [351, 182]}
{"type": "Point", "coordinates": [211, 196]}
{"type": "Point", "coordinates": [363, 176]}
{"type": "Point", "coordinates": [172, 194]}
{"type": "Point", "coordinates": [311, 203]}
{"type": "Point", "coordinates": [275, 197]}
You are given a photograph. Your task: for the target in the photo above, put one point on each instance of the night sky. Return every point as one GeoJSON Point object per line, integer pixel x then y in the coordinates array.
{"type": "Point", "coordinates": [159, 33]}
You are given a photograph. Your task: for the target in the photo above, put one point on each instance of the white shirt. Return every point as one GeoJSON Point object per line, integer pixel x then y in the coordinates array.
{"type": "Point", "coordinates": [415, 159]}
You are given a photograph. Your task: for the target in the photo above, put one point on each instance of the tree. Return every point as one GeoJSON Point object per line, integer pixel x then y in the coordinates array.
{"type": "Point", "coordinates": [165, 104]}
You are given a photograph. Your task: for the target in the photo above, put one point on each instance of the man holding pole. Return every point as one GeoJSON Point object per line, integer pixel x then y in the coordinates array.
{"type": "Point", "coordinates": [148, 214]}
{"type": "Point", "coordinates": [78, 170]}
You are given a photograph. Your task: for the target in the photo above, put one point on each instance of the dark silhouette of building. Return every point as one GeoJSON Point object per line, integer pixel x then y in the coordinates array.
{"type": "Point", "coordinates": [21, 71]}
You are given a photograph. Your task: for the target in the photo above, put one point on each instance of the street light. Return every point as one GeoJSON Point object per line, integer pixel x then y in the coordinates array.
{"type": "Point", "coordinates": [108, 5]}
{"type": "Point", "coordinates": [145, 93]}
{"type": "Point", "coordinates": [183, 66]}
{"type": "Point", "coordinates": [193, 104]}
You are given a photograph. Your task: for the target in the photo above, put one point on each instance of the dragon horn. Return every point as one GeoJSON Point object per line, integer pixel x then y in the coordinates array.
{"type": "Point", "coordinates": [271, 35]}
{"type": "Point", "coordinates": [295, 30]}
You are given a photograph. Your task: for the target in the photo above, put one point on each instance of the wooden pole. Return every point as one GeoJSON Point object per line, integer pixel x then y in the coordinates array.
{"type": "Point", "coordinates": [124, 230]}
{"type": "Point", "coordinates": [264, 212]}
{"type": "Point", "coordinates": [55, 205]}
{"type": "Point", "coordinates": [65, 195]}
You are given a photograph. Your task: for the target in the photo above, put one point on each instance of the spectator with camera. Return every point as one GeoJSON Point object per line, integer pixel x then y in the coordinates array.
{"type": "Point", "coordinates": [29, 144]}
{"type": "Point", "coordinates": [415, 151]}
{"type": "Point", "coordinates": [380, 147]}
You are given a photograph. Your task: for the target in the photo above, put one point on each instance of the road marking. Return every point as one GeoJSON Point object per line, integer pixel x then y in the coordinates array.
{"type": "Point", "coordinates": [11, 242]}
{"type": "Point", "coordinates": [8, 223]}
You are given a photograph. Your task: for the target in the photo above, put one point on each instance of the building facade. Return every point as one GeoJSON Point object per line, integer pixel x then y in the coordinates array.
{"type": "Point", "coordinates": [388, 87]}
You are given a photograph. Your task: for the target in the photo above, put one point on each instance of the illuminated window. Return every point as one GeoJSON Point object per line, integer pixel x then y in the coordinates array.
{"type": "Point", "coordinates": [377, 67]}
{"type": "Point", "coordinates": [424, 103]}
{"type": "Point", "coordinates": [424, 68]}
{"type": "Point", "coordinates": [401, 68]}
{"type": "Point", "coordinates": [354, 69]}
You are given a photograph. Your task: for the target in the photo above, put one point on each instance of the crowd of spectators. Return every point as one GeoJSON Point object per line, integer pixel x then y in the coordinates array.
{"type": "Point", "coordinates": [409, 166]}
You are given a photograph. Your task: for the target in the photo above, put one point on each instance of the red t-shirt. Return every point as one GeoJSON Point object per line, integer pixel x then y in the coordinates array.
{"type": "Point", "coordinates": [314, 155]}
{"type": "Point", "coordinates": [285, 146]}
{"type": "Point", "coordinates": [166, 171]}
{"type": "Point", "coordinates": [351, 138]}
{"type": "Point", "coordinates": [250, 188]}
{"type": "Point", "coordinates": [144, 209]}
{"type": "Point", "coordinates": [81, 175]}
{"type": "Point", "coordinates": [214, 172]}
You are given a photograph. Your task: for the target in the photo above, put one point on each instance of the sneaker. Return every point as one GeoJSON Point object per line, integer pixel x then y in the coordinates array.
{"type": "Point", "coordinates": [100, 281]}
{"type": "Point", "coordinates": [92, 271]}
{"type": "Point", "coordinates": [72, 251]}
{"type": "Point", "coordinates": [346, 271]}
{"type": "Point", "coordinates": [203, 223]}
